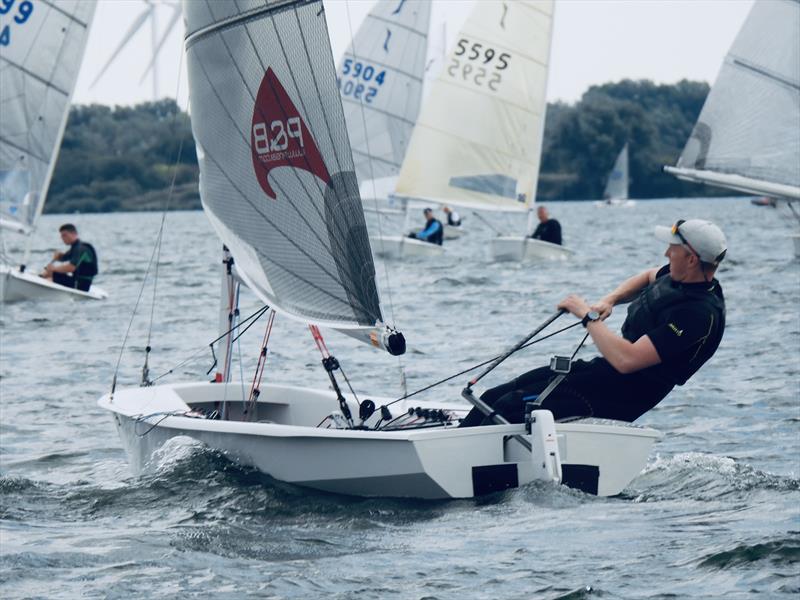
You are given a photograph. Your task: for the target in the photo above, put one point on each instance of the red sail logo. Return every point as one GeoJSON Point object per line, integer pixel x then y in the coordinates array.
{"type": "Point", "coordinates": [279, 137]}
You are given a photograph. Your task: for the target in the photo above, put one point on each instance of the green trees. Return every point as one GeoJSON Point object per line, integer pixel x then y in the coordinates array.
{"type": "Point", "coordinates": [582, 141]}
{"type": "Point", "coordinates": [124, 158]}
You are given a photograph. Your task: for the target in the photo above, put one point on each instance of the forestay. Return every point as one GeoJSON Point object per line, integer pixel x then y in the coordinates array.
{"type": "Point", "coordinates": [277, 179]}
{"type": "Point", "coordinates": [478, 138]}
{"type": "Point", "coordinates": [617, 184]}
{"type": "Point", "coordinates": [380, 80]}
{"type": "Point", "coordinates": [750, 123]}
{"type": "Point", "coordinates": [41, 48]}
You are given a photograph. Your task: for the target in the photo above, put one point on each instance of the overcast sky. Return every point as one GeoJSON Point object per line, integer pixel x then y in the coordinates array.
{"type": "Point", "coordinates": [594, 41]}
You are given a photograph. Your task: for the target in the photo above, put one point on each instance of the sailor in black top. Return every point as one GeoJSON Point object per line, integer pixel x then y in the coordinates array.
{"type": "Point", "coordinates": [548, 230]}
{"type": "Point", "coordinates": [77, 266]}
{"type": "Point", "coordinates": [674, 325]}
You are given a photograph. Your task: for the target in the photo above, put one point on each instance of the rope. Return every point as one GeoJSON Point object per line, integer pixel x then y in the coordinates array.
{"type": "Point", "coordinates": [154, 256]}
{"type": "Point", "coordinates": [255, 388]}
{"type": "Point", "coordinates": [484, 363]}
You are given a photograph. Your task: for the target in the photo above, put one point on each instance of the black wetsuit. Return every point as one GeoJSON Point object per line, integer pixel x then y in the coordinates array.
{"type": "Point", "coordinates": [685, 322]}
{"type": "Point", "coordinates": [549, 231]}
{"type": "Point", "coordinates": [84, 257]}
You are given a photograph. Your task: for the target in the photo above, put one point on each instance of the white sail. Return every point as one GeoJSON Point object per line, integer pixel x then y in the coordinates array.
{"type": "Point", "coordinates": [617, 184]}
{"type": "Point", "coordinates": [380, 80]}
{"type": "Point", "coordinates": [478, 139]}
{"type": "Point", "coordinates": [748, 134]}
{"type": "Point", "coordinates": [277, 179]}
{"type": "Point", "coordinates": [41, 47]}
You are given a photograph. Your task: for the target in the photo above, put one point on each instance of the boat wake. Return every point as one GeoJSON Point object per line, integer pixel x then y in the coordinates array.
{"type": "Point", "coordinates": [784, 551]}
{"type": "Point", "coordinates": [698, 476]}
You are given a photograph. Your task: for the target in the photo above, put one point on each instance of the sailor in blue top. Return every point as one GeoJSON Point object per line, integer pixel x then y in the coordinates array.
{"type": "Point", "coordinates": [433, 232]}
{"type": "Point", "coordinates": [675, 322]}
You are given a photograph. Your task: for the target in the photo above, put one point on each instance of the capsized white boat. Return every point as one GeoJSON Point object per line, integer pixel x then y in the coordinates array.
{"type": "Point", "coordinates": [41, 56]}
{"type": "Point", "coordinates": [497, 70]}
{"type": "Point", "coordinates": [286, 205]}
{"type": "Point", "coordinates": [747, 137]}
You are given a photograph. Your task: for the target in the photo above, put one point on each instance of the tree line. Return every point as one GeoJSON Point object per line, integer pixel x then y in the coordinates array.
{"type": "Point", "coordinates": [128, 158]}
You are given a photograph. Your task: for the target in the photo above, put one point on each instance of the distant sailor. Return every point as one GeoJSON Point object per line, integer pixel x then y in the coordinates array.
{"type": "Point", "coordinates": [433, 231]}
{"type": "Point", "coordinates": [674, 325]}
{"type": "Point", "coordinates": [548, 230]}
{"type": "Point", "coordinates": [453, 218]}
{"type": "Point", "coordinates": [77, 266]}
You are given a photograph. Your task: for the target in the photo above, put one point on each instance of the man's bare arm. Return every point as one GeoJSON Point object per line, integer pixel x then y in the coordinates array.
{"type": "Point", "coordinates": [624, 292]}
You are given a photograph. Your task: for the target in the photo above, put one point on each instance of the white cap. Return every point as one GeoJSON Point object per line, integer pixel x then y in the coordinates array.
{"type": "Point", "coordinates": [703, 238]}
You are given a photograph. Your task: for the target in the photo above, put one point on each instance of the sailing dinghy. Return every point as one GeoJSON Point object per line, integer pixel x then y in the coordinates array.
{"type": "Point", "coordinates": [478, 139]}
{"type": "Point", "coordinates": [380, 81]}
{"type": "Point", "coordinates": [41, 48]}
{"type": "Point", "coordinates": [747, 137]}
{"type": "Point", "coordinates": [278, 184]}
{"type": "Point", "coordinates": [616, 191]}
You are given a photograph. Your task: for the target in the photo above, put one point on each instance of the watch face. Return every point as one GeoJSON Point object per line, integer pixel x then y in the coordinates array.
{"type": "Point", "coordinates": [593, 315]}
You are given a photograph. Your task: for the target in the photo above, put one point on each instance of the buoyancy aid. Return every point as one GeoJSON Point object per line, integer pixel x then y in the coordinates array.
{"type": "Point", "coordinates": [645, 312]}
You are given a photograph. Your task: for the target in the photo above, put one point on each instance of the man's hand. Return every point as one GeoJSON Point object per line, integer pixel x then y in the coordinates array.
{"type": "Point", "coordinates": [57, 255]}
{"type": "Point", "coordinates": [575, 305]}
{"type": "Point", "coordinates": [604, 307]}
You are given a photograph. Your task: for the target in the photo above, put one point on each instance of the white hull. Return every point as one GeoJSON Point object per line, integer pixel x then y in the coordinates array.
{"type": "Point", "coordinates": [17, 286]}
{"type": "Point", "coordinates": [453, 233]}
{"type": "Point", "coordinates": [403, 247]}
{"type": "Point", "coordinates": [615, 202]}
{"type": "Point", "coordinates": [285, 442]}
{"type": "Point", "coordinates": [517, 248]}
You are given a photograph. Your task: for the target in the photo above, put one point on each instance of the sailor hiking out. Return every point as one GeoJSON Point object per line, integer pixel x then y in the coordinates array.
{"type": "Point", "coordinates": [675, 321]}
{"type": "Point", "coordinates": [433, 232]}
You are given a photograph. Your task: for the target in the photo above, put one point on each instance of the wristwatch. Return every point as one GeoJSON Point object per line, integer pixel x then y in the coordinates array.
{"type": "Point", "coordinates": [592, 315]}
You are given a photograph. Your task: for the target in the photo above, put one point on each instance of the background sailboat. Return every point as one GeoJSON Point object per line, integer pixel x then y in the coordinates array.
{"type": "Point", "coordinates": [478, 140]}
{"type": "Point", "coordinates": [278, 184]}
{"type": "Point", "coordinates": [747, 137]}
{"type": "Point", "coordinates": [40, 56]}
{"type": "Point", "coordinates": [616, 190]}
{"type": "Point", "coordinates": [381, 78]}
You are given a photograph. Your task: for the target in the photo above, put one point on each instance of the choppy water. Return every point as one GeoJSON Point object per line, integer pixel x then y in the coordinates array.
{"type": "Point", "coordinates": [716, 513]}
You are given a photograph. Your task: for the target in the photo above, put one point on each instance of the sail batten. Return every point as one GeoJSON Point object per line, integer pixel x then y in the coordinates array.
{"type": "Point", "coordinates": [277, 177]}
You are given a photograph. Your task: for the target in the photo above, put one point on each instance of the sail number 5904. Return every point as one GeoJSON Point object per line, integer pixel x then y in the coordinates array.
{"type": "Point", "coordinates": [23, 12]}
{"type": "Point", "coordinates": [360, 80]}
{"type": "Point", "coordinates": [479, 64]}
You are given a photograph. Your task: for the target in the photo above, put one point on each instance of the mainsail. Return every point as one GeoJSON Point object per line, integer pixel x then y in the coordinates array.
{"type": "Point", "coordinates": [747, 137]}
{"type": "Point", "coordinates": [478, 138]}
{"type": "Point", "coordinates": [277, 179]}
{"type": "Point", "coordinates": [380, 80]}
{"type": "Point", "coordinates": [41, 48]}
{"type": "Point", "coordinates": [617, 184]}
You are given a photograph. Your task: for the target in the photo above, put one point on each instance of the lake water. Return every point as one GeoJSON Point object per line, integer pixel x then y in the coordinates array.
{"type": "Point", "coordinates": [715, 514]}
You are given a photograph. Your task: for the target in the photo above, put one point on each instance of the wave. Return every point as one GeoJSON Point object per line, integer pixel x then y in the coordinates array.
{"type": "Point", "coordinates": [780, 552]}
{"type": "Point", "coordinates": [698, 476]}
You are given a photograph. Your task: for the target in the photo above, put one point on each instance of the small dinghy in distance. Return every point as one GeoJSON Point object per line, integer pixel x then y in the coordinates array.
{"type": "Point", "coordinates": [616, 192]}
{"type": "Point", "coordinates": [41, 61]}
{"type": "Point", "coordinates": [263, 208]}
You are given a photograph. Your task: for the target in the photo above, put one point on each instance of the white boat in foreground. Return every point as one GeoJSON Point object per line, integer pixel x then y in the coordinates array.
{"type": "Point", "coordinates": [421, 458]}
{"type": "Point", "coordinates": [288, 210]}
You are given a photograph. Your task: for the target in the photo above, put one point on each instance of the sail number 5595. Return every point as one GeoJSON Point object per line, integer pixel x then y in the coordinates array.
{"type": "Point", "coordinates": [479, 64]}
